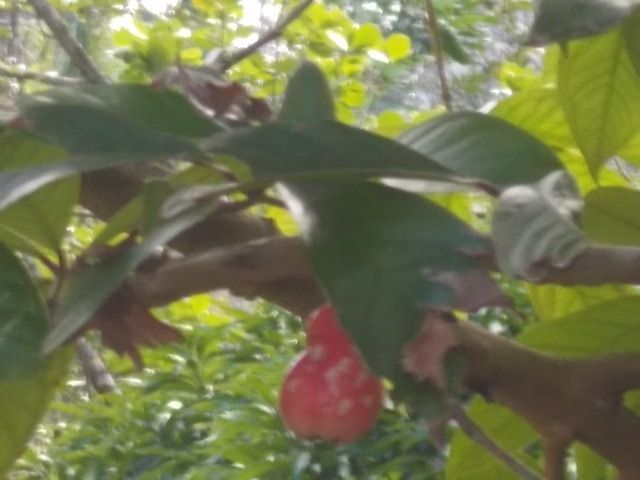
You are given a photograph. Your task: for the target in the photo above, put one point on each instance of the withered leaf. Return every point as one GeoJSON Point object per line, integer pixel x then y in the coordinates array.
{"type": "Point", "coordinates": [125, 324]}
{"type": "Point", "coordinates": [207, 91]}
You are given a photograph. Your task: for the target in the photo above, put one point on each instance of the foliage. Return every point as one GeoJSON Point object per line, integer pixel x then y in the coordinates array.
{"type": "Point", "coordinates": [391, 229]}
{"type": "Point", "coordinates": [207, 408]}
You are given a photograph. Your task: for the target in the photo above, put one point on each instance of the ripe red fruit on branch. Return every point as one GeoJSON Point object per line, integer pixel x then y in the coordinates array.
{"type": "Point", "coordinates": [329, 393]}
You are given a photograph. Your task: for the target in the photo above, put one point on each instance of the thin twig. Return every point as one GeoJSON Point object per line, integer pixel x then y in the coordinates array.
{"type": "Point", "coordinates": [475, 433]}
{"type": "Point", "coordinates": [39, 77]}
{"type": "Point", "coordinates": [432, 23]}
{"type": "Point", "coordinates": [271, 34]}
{"type": "Point", "coordinates": [94, 368]}
{"type": "Point", "coordinates": [67, 41]}
{"type": "Point", "coordinates": [12, 46]}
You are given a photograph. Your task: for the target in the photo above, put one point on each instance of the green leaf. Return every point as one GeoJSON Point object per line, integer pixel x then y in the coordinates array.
{"type": "Point", "coordinates": [631, 32]}
{"type": "Point", "coordinates": [539, 112]}
{"type": "Point", "coordinates": [469, 461]}
{"type": "Point", "coordinates": [17, 184]}
{"type": "Point", "coordinates": [553, 302]}
{"type": "Point", "coordinates": [39, 221]}
{"type": "Point", "coordinates": [285, 151]}
{"type": "Point", "coordinates": [308, 97]}
{"type": "Point", "coordinates": [559, 21]}
{"type": "Point", "coordinates": [24, 403]}
{"type": "Point", "coordinates": [370, 246]}
{"type": "Point", "coordinates": [353, 94]}
{"type": "Point", "coordinates": [124, 220]}
{"type": "Point", "coordinates": [397, 46]}
{"type": "Point", "coordinates": [482, 146]}
{"type": "Point", "coordinates": [128, 119]}
{"type": "Point", "coordinates": [600, 94]}
{"type": "Point", "coordinates": [23, 320]}
{"type": "Point", "coordinates": [606, 328]}
{"type": "Point", "coordinates": [590, 465]}
{"type": "Point", "coordinates": [452, 45]}
{"type": "Point", "coordinates": [87, 288]}
{"type": "Point", "coordinates": [162, 47]}
{"type": "Point", "coordinates": [611, 216]}
{"type": "Point", "coordinates": [368, 35]}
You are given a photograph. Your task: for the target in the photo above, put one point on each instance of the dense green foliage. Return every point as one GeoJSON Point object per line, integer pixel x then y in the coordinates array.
{"type": "Point", "coordinates": [193, 126]}
{"type": "Point", "coordinates": [207, 409]}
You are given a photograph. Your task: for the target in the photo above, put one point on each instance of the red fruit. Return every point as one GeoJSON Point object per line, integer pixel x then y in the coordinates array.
{"type": "Point", "coordinates": [323, 328]}
{"type": "Point", "coordinates": [329, 393]}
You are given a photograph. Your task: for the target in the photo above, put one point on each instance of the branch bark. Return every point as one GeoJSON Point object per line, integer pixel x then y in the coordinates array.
{"type": "Point", "coordinates": [67, 41]}
{"type": "Point", "coordinates": [250, 266]}
{"type": "Point", "coordinates": [564, 399]}
{"type": "Point", "coordinates": [244, 269]}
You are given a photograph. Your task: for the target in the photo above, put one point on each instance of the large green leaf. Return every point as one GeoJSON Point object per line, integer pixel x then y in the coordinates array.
{"type": "Point", "coordinates": [17, 184]}
{"type": "Point", "coordinates": [481, 146]}
{"type": "Point", "coordinates": [539, 112]}
{"type": "Point", "coordinates": [286, 150]}
{"type": "Point", "coordinates": [631, 31]}
{"type": "Point", "coordinates": [589, 465]}
{"type": "Point", "coordinates": [611, 216]}
{"type": "Point", "coordinates": [306, 141]}
{"type": "Point", "coordinates": [88, 287]}
{"type": "Point", "coordinates": [605, 328]}
{"type": "Point", "coordinates": [40, 220]}
{"type": "Point", "coordinates": [372, 248]}
{"type": "Point", "coordinates": [23, 320]}
{"type": "Point", "coordinates": [308, 98]}
{"type": "Point", "coordinates": [24, 403]}
{"type": "Point", "coordinates": [559, 21]}
{"type": "Point", "coordinates": [469, 461]}
{"type": "Point", "coordinates": [600, 94]}
{"type": "Point", "coordinates": [126, 119]}
{"type": "Point", "coordinates": [553, 302]}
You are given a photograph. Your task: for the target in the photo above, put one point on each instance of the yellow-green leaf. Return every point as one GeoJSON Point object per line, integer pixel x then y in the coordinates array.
{"type": "Point", "coordinates": [600, 94]}
{"type": "Point", "coordinates": [397, 46]}
{"type": "Point", "coordinates": [366, 36]}
{"type": "Point", "coordinates": [611, 216]}
{"type": "Point", "coordinates": [23, 405]}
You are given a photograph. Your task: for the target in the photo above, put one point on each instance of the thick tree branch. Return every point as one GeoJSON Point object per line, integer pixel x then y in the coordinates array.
{"type": "Point", "coordinates": [278, 259]}
{"type": "Point", "coordinates": [239, 268]}
{"type": "Point", "coordinates": [39, 77]}
{"type": "Point", "coordinates": [270, 35]}
{"type": "Point", "coordinates": [564, 399]}
{"type": "Point", "coordinates": [76, 52]}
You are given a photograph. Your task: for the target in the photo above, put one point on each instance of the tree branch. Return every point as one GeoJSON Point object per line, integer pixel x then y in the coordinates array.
{"type": "Point", "coordinates": [563, 399]}
{"type": "Point", "coordinates": [432, 23]}
{"type": "Point", "coordinates": [242, 269]}
{"type": "Point", "coordinates": [39, 77]}
{"type": "Point", "coordinates": [270, 35]}
{"type": "Point", "coordinates": [249, 265]}
{"type": "Point", "coordinates": [74, 49]}
{"type": "Point", "coordinates": [94, 368]}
